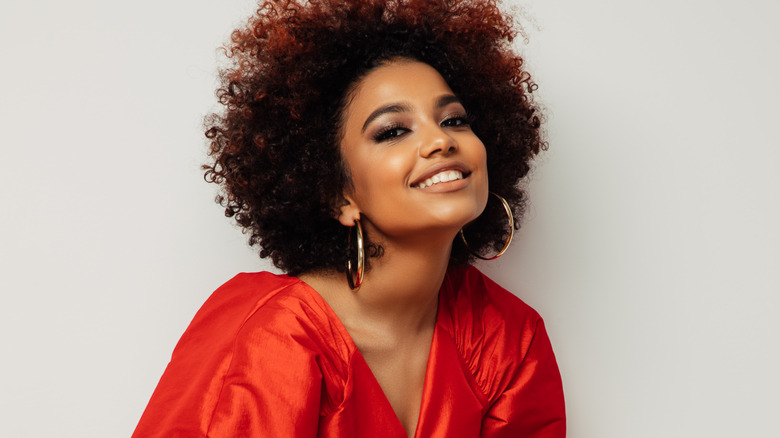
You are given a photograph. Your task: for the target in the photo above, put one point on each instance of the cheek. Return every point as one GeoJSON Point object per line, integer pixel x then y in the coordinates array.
{"type": "Point", "coordinates": [395, 167]}
{"type": "Point", "coordinates": [384, 170]}
{"type": "Point", "coordinates": [479, 156]}
{"type": "Point", "coordinates": [377, 176]}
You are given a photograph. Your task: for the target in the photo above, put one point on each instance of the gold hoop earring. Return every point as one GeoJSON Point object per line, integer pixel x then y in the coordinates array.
{"type": "Point", "coordinates": [508, 210]}
{"type": "Point", "coordinates": [355, 279]}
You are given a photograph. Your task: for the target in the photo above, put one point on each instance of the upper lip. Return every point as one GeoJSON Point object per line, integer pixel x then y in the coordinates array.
{"type": "Point", "coordinates": [440, 167]}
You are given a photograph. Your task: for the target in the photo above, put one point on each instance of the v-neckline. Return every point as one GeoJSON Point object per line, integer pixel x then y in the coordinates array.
{"type": "Point", "coordinates": [356, 353]}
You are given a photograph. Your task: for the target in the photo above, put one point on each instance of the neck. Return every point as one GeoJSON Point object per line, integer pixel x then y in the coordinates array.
{"type": "Point", "coordinates": [399, 294]}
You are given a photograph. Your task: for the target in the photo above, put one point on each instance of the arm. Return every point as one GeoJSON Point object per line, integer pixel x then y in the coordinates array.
{"type": "Point", "coordinates": [532, 404]}
{"type": "Point", "coordinates": [272, 387]}
{"type": "Point", "coordinates": [233, 375]}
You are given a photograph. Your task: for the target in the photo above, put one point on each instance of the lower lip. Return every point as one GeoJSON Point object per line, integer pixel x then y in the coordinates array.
{"type": "Point", "coordinates": [444, 187]}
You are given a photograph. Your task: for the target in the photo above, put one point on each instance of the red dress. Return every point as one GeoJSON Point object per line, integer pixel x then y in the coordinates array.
{"type": "Point", "coordinates": [266, 357]}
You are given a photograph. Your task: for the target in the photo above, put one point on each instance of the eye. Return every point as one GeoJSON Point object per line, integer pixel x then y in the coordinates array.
{"type": "Point", "coordinates": [455, 121]}
{"type": "Point", "coordinates": [389, 133]}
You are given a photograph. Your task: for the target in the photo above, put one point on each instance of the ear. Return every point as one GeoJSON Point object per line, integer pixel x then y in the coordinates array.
{"type": "Point", "coordinates": [348, 213]}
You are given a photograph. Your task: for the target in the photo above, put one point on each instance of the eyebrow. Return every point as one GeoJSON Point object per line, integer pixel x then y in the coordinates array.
{"type": "Point", "coordinates": [392, 108]}
{"type": "Point", "coordinates": [446, 100]}
{"type": "Point", "coordinates": [402, 107]}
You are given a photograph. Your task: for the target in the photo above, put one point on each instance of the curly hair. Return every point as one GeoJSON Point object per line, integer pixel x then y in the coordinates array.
{"type": "Point", "coordinates": [275, 146]}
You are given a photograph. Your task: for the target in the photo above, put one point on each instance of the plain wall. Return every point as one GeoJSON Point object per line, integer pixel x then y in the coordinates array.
{"type": "Point", "coordinates": [650, 246]}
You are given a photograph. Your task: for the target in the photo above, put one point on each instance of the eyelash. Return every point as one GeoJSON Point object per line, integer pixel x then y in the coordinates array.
{"type": "Point", "coordinates": [396, 130]}
{"type": "Point", "coordinates": [390, 132]}
{"type": "Point", "coordinates": [462, 119]}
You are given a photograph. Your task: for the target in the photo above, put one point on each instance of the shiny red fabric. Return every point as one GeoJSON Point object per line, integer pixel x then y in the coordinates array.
{"type": "Point", "coordinates": [266, 357]}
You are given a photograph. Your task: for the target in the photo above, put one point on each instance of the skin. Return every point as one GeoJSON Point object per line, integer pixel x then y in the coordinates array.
{"type": "Point", "coordinates": [403, 124]}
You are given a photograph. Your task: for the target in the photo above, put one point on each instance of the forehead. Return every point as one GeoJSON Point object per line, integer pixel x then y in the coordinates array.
{"type": "Point", "coordinates": [394, 82]}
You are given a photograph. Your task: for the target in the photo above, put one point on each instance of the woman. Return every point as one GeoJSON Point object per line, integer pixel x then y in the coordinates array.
{"type": "Point", "coordinates": [371, 135]}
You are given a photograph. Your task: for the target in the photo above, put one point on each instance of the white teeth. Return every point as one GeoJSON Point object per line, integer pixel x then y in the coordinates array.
{"type": "Point", "coordinates": [444, 176]}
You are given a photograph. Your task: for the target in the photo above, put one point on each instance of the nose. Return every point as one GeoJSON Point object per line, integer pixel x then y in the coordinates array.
{"type": "Point", "coordinates": [437, 141]}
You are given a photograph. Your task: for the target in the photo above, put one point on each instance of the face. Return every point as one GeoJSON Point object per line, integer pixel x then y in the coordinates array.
{"type": "Point", "coordinates": [416, 166]}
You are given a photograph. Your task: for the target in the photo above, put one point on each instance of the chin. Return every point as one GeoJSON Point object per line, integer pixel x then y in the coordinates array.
{"type": "Point", "coordinates": [460, 215]}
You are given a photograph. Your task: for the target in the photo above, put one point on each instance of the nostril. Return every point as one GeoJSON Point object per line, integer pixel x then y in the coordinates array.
{"type": "Point", "coordinates": [440, 142]}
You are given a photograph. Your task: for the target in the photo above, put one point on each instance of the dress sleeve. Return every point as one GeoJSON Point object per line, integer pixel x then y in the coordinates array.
{"type": "Point", "coordinates": [532, 404]}
{"type": "Point", "coordinates": [272, 387]}
{"type": "Point", "coordinates": [235, 375]}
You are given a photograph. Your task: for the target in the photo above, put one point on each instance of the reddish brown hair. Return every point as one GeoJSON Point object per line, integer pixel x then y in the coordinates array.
{"type": "Point", "coordinates": [275, 147]}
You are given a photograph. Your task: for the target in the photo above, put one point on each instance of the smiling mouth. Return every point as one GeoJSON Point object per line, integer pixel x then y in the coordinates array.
{"type": "Point", "coordinates": [441, 177]}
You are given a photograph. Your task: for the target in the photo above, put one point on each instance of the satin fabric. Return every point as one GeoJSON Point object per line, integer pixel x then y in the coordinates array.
{"type": "Point", "coordinates": [266, 357]}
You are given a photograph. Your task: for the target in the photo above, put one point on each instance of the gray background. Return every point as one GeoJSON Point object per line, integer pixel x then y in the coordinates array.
{"type": "Point", "coordinates": [651, 246]}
